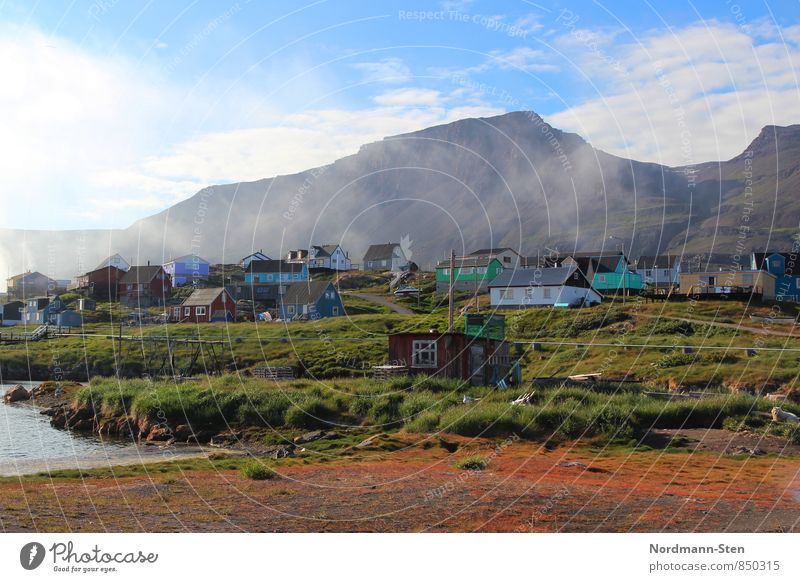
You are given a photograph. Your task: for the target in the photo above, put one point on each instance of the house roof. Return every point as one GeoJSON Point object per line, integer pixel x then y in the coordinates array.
{"type": "Point", "coordinates": [109, 267]}
{"type": "Point", "coordinates": [203, 296]}
{"type": "Point", "coordinates": [325, 250]}
{"type": "Point", "coordinates": [380, 252]}
{"type": "Point", "coordinates": [466, 262]}
{"type": "Point", "coordinates": [257, 255]}
{"type": "Point", "coordinates": [21, 276]}
{"type": "Point", "coordinates": [595, 263]}
{"type": "Point", "coordinates": [141, 274]}
{"type": "Point", "coordinates": [105, 262]}
{"type": "Point", "coordinates": [190, 257]}
{"type": "Point", "coordinates": [274, 266]}
{"type": "Point", "coordinates": [305, 292]}
{"type": "Point", "coordinates": [791, 261]}
{"type": "Point", "coordinates": [492, 251]}
{"type": "Point", "coordinates": [655, 261]}
{"type": "Point", "coordinates": [548, 277]}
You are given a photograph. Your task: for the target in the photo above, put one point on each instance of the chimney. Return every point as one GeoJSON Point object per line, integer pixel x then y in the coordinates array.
{"type": "Point", "coordinates": [148, 263]}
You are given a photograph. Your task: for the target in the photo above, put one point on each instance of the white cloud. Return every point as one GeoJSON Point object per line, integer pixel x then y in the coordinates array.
{"type": "Point", "coordinates": [389, 70]}
{"type": "Point", "coordinates": [409, 97]}
{"type": "Point", "coordinates": [685, 96]}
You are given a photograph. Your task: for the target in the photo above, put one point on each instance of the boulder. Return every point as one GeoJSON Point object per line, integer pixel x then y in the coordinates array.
{"type": "Point", "coordinates": [315, 436]}
{"type": "Point", "coordinates": [279, 451]}
{"type": "Point", "coordinates": [16, 394]}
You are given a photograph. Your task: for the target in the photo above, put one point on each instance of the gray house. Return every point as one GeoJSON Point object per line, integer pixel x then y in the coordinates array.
{"type": "Point", "coordinates": [386, 257]}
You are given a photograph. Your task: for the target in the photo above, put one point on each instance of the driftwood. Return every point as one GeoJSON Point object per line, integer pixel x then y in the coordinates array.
{"type": "Point", "coordinates": [779, 415]}
{"type": "Point", "coordinates": [522, 400]}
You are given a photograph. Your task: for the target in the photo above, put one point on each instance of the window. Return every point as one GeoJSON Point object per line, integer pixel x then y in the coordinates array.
{"type": "Point", "coordinates": [423, 354]}
{"type": "Point", "coordinates": [506, 294]}
{"type": "Point", "coordinates": [446, 272]}
{"type": "Point", "coordinates": [529, 293]}
{"type": "Point", "coordinates": [547, 292]}
{"type": "Point", "coordinates": [666, 272]}
{"type": "Point", "coordinates": [747, 279]}
{"type": "Point", "coordinates": [200, 310]}
{"type": "Point", "coordinates": [481, 270]}
{"type": "Point", "coordinates": [466, 271]}
{"type": "Point", "coordinates": [187, 311]}
{"type": "Point", "coordinates": [290, 309]}
{"type": "Point", "coordinates": [335, 310]}
{"type": "Point", "coordinates": [601, 278]}
{"type": "Point", "coordinates": [506, 259]}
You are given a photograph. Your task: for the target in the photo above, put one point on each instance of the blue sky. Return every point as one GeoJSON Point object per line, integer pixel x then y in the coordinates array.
{"type": "Point", "coordinates": [117, 109]}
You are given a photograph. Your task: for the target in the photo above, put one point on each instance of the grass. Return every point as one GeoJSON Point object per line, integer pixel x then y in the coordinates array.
{"type": "Point", "coordinates": [472, 463]}
{"type": "Point", "coordinates": [257, 471]}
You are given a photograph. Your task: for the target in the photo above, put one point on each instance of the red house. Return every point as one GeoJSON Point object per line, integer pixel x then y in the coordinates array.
{"type": "Point", "coordinates": [206, 306]}
{"type": "Point", "coordinates": [145, 286]}
{"type": "Point", "coordinates": [102, 283]}
{"type": "Point", "coordinates": [478, 360]}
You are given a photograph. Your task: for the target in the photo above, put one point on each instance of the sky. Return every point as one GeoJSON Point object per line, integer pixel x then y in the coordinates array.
{"type": "Point", "coordinates": [113, 110]}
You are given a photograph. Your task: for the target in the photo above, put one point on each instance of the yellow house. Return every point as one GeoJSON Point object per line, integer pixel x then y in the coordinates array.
{"type": "Point", "coordinates": [724, 282]}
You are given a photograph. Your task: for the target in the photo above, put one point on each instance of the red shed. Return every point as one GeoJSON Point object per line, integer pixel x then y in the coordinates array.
{"type": "Point", "coordinates": [206, 306]}
{"type": "Point", "coordinates": [102, 283]}
{"type": "Point", "coordinates": [478, 360]}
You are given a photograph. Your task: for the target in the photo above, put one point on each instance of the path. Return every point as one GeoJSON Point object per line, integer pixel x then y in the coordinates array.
{"type": "Point", "coordinates": [380, 300]}
{"type": "Point", "coordinates": [764, 330]}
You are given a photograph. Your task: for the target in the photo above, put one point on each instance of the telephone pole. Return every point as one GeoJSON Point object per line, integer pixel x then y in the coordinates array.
{"type": "Point", "coordinates": [450, 292]}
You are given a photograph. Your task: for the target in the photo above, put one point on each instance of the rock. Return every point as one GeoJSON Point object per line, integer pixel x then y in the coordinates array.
{"type": "Point", "coordinates": [279, 451]}
{"type": "Point", "coordinates": [227, 438]}
{"type": "Point", "coordinates": [183, 433]}
{"type": "Point", "coordinates": [17, 394]}
{"type": "Point", "coordinates": [369, 442]}
{"type": "Point", "coordinates": [315, 436]}
{"type": "Point", "coordinates": [160, 433]}
{"type": "Point", "coordinates": [570, 464]}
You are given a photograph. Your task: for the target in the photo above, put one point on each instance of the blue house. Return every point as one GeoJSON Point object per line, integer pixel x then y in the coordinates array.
{"type": "Point", "coordinates": [310, 300]}
{"type": "Point", "coordinates": [785, 267]}
{"type": "Point", "coordinates": [187, 270]}
{"type": "Point", "coordinates": [51, 311]}
{"type": "Point", "coordinates": [273, 272]}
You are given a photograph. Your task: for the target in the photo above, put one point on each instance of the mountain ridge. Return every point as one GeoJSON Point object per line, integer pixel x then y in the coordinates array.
{"type": "Point", "coordinates": [510, 180]}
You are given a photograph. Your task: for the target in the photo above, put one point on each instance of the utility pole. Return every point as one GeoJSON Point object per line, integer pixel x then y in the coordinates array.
{"type": "Point", "coordinates": [450, 292]}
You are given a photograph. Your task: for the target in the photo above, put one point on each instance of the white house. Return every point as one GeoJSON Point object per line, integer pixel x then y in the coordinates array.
{"type": "Point", "coordinates": [330, 257]}
{"type": "Point", "coordinates": [386, 257]}
{"type": "Point", "coordinates": [659, 271]}
{"type": "Point", "coordinates": [114, 261]}
{"type": "Point", "coordinates": [257, 256]}
{"type": "Point", "coordinates": [562, 286]}
{"type": "Point", "coordinates": [508, 257]}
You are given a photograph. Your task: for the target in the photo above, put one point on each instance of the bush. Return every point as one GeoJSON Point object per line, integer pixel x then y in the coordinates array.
{"type": "Point", "coordinates": [386, 409]}
{"type": "Point", "coordinates": [425, 422]}
{"type": "Point", "coordinates": [473, 463]}
{"type": "Point", "coordinates": [313, 413]}
{"type": "Point", "coordinates": [257, 471]}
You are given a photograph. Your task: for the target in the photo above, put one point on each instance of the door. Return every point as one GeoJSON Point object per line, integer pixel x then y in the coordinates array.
{"type": "Point", "coordinates": [477, 359]}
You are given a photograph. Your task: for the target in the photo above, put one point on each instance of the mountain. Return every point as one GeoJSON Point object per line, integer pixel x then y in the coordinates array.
{"type": "Point", "coordinates": [511, 180]}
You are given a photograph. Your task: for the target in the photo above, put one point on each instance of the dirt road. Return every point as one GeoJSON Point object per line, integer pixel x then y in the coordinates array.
{"type": "Point", "coordinates": [757, 330]}
{"type": "Point", "coordinates": [381, 300]}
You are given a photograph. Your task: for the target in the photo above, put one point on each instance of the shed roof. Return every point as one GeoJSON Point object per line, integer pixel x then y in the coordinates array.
{"type": "Point", "coordinates": [203, 296]}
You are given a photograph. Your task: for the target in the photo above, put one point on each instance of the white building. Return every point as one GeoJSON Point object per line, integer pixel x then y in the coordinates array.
{"type": "Point", "coordinates": [386, 257]}
{"type": "Point", "coordinates": [330, 257]}
{"type": "Point", "coordinates": [660, 270]}
{"type": "Point", "coordinates": [115, 260]}
{"type": "Point", "coordinates": [562, 286]}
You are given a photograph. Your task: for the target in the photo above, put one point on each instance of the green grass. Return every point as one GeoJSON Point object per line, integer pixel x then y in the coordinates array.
{"type": "Point", "coordinates": [258, 471]}
{"type": "Point", "coordinates": [472, 463]}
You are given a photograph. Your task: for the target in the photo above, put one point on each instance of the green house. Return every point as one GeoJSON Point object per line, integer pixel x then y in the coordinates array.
{"type": "Point", "coordinates": [471, 274]}
{"type": "Point", "coordinates": [608, 272]}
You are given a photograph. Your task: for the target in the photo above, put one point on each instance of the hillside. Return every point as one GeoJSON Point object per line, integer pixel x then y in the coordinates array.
{"type": "Point", "coordinates": [507, 180]}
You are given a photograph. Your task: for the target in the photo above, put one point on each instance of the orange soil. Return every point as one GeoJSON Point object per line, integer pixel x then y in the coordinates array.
{"type": "Point", "coordinates": [525, 488]}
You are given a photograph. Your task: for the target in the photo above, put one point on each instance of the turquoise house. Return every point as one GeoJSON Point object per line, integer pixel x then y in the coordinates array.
{"type": "Point", "coordinates": [608, 272]}
{"type": "Point", "coordinates": [785, 267]}
{"type": "Point", "coordinates": [273, 272]}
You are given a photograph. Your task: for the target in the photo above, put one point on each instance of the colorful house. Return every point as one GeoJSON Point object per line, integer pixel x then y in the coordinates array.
{"type": "Point", "coordinates": [659, 271]}
{"type": "Point", "coordinates": [731, 282]}
{"type": "Point", "coordinates": [50, 311]}
{"type": "Point", "coordinates": [102, 283]}
{"type": "Point", "coordinates": [310, 300]}
{"type": "Point", "coordinates": [471, 274]}
{"type": "Point", "coordinates": [609, 272]}
{"type": "Point", "coordinates": [187, 270]}
{"type": "Point", "coordinates": [555, 286]}
{"type": "Point", "coordinates": [273, 272]}
{"type": "Point", "coordinates": [145, 286]}
{"type": "Point", "coordinates": [256, 256]}
{"type": "Point", "coordinates": [206, 306]}
{"type": "Point", "coordinates": [328, 257]}
{"type": "Point", "coordinates": [786, 269]}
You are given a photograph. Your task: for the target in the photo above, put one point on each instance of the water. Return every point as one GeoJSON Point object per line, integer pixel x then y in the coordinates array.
{"type": "Point", "coordinates": [28, 444]}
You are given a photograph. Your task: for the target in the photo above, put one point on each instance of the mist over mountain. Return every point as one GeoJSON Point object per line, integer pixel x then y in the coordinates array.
{"type": "Point", "coordinates": [511, 180]}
